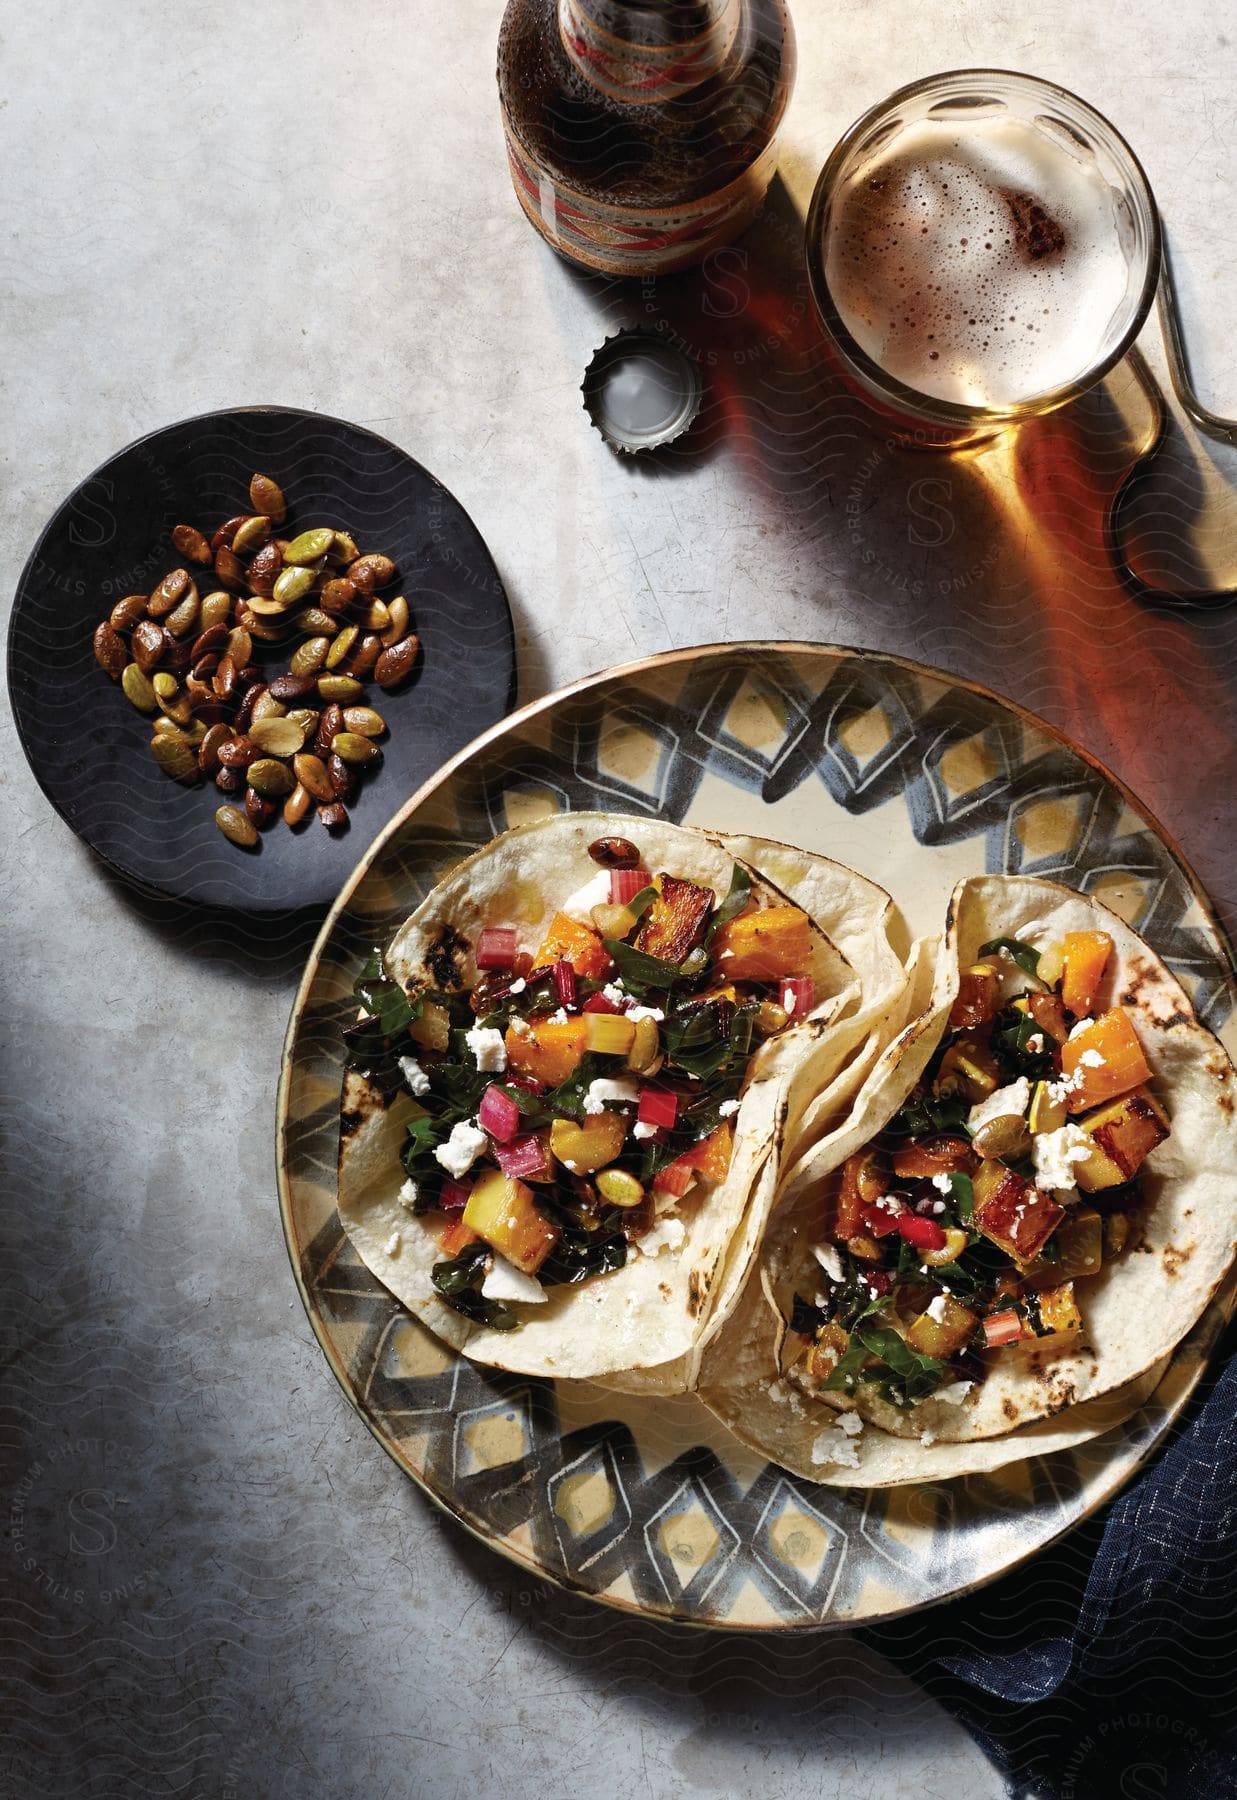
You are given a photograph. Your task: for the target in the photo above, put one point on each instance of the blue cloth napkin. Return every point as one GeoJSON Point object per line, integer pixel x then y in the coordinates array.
{"type": "Point", "coordinates": [1108, 1665]}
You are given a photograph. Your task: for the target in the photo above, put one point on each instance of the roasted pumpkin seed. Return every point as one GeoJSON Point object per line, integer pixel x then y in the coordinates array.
{"type": "Point", "coordinates": [305, 717]}
{"type": "Point", "coordinates": [126, 613]}
{"type": "Point", "coordinates": [271, 778]}
{"type": "Point", "coordinates": [316, 623]}
{"type": "Point", "coordinates": [331, 721]}
{"type": "Point", "coordinates": [229, 570]}
{"type": "Point", "coordinates": [293, 687]}
{"type": "Point", "coordinates": [183, 618]}
{"type": "Point", "coordinates": [343, 549]}
{"type": "Point", "coordinates": [277, 736]}
{"type": "Point", "coordinates": [253, 535]}
{"type": "Point", "coordinates": [226, 532]}
{"type": "Point", "coordinates": [341, 777]}
{"type": "Point", "coordinates": [229, 781]}
{"type": "Point", "coordinates": [188, 541]}
{"type": "Point", "coordinates": [296, 806]}
{"type": "Point", "coordinates": [310, 771]}
{"type": "Point", "coordinates": [333, 815]}
{"type": "Point", "coordinates": [176, 757]}
{"type": "Point", "coordinates": [208, 749]}
{"type": "Point", "coordinates": [169, 593]}
{"type": "Point", "coordinates": [353, 748]}
{"type": "Point", "coordinates": [291, 585]}
{"type": "Point", "coordinates": [365, 656]}
{"type": "Point", "coordinates": [337, 595]}
{"type": "Point", "coordinates": [165, 685]}
{"type": "Point", "coordinates": [216, 610]}
{"type": "Point", "coordinates": [309, 546]}
{"type": "Point", "coordinates": [364, 720]}
{"type": "Point", "coordinates": [148, 643]}
{"type": "Point", "coordinates": [342, 646]}
{"type": "Point", "coordinates": [236, 827]}
{"type": "Point", "coordinates": [395, 664]}
{"type": "Point", "coordinates": [240, 646]}
{"type": "Point", "coordinates": [264, 569]}
{"type": "Point", "coordinates": [110, 651]}
{"type": "Point", "coordinates": [398, 609]}
{"type": "Point", "coordinates": [265, 706]}
{"type": "Point", "coordinates": [339, 687]}
{"type": "Point", "coordinates": [371, 572]}
{"type": "Point", "coordinates": [260, 810]}
{"type": "Point", "coordinates": [311, 655]}
{"type": "Point", "coordinates": [266, 496]}
{"type": "Point", "coordinates": [138, 690]}
{"type": "Point", "coordinates": [239, 752]}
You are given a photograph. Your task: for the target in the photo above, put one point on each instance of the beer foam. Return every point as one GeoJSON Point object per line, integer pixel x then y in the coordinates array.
{"type": "Point", "coordinates": [984, 262]}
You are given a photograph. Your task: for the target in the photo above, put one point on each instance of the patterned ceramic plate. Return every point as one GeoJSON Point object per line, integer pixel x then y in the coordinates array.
{"type": "Point", "coordinates": [915, 779]}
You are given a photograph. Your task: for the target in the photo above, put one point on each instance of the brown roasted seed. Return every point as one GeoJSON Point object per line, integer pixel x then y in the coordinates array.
{"type": "Point", "coordinates": [265, 569]}
{"type": "Point", "coordinates": [614, 853]}
{"type": "Point", "coordinates": [224, 680]}
{"type": "Point", "coordinates": [239, 752]}
{"type": "Point", "coordinates": [339, 687]}
{"type": "Point", "coordinates": [333, 815]}
{"type": "Point", "coordinates": [176, 757]}
{"type": "Point", "coordinates": [148, 644]}
{"type": "Point", "coordinates": [364, 720]}
{"type": "Point", "coordinates": [332, 720]}
{"type": "Point", "coordinates": [337, 595]}
{"type": "Point", "coordinates": [259, 810]}
{"type": "Point", "coordinates": [270, 777]}
{"type": "Point", "coordinates": [398, 610]}
{"type": "Point", "coordinates": [177, 656]}
{"type": "Point", "coordinates": [340, 776]}
{"type": "Point", "coordinates": [266, 706]}
{"type": "Point", "coordinates": [365, 657]}
{"type": "Point", "coordinates": [209, 641]}
{"type": "Point", "coordinates": [371, 572]}
{"type": "Point", "coordinates": [309, 658]}
{"type": "Point", "coordinates": [229, 781]}
{"type": "Point", "coordinates": [169, 593]}
{"type": "Point", "coordinates": [266, 496]}
{"type": "Point", "coordinates": [316, 623]}
{"type": "Point", "coordinates": [229, 570]}
{"type": "Point", "coordinates": [188, 541]}
{"type": "Point", "coordinates": [310, 771]}
{"type": "Point", "coordinates": [395, 664]}
{"type": "Point", "coordinates": [240, 646]}
{"type": "Point", "coordinates": [253, 535]}
{"type": "Point", "coordinates": [126, 613]}
{"type": "Point", "coordinates": [110, 651]}
{"type": "Point", "coordinates": [236, 827]}
{"type": "Point", "coordinates": [293, 687]}
{"type": "Point", "coordinates": [208, 749]}
{"type": "Point", "coordinates": [226, 532]}
{"type": "Point", "coordinates": [343, 550]}
{"type": "Point", "coordinates": [276, 736]}
{"type": "Point", "coordinates": [216, 610]}
{"type": "Point", "coordinates": [244, 712]}
{"type": "Point", "coordinates": [183, 618]}
{"type": "Point", "coordinates": [296, 806]}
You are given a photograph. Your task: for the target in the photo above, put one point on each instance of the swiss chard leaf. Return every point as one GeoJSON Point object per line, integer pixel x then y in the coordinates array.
{"type": "Point", "coordinates": [1025, 955]}
{"type": "Point", "coordinates": [459, 1284]}
{"type": "Point", "coordinates": [418, 1153]}
{"type": "Point", "coordinates": [805, 1318]}
{"type": "Point", "coordinates": [639, 970]}
{"type": "Point", "coordinates": [902, 1373]}
{"type": "Point", "coordinates": [737, 896]}
{"type": "Point", "coordinates": [923, 1115]}
{"type": "Point", "coordinates": [964, 1198]}
{"type": "Point", "coordinates": [693, 1044]}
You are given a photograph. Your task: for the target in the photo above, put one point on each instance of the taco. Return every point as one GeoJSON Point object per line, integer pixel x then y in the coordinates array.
{"type": "Point", "coordinates": [1030, 1204]}
{"type": "Point", "coordinates": [565, 1090]}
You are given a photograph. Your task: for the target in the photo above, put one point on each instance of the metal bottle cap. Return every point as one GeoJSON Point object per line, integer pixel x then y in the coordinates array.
{"type": "Point", "coordinates": [640, 391]}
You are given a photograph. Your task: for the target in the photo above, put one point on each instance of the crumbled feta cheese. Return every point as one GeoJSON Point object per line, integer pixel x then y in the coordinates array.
{"type": "Point", "coordinates": [1081, 1026]}
{"type": "Point", "coordinates": [488, 1048]}
{"type": "Point", "coordinates": [625, 1092]}
{"type": "Point", "coordinates": [615, 992]}
{"type": "Point", "coordinates": [559, 1017]}
{"type": "Point", "coordinates": [1090, 1059]}
{"type": "Point", "coordinates": [728, 1109]}
{"type": "Point", "coordinates": [937, 1309]}
{"type": "Point", "coordinates": [942, 1184]}
{"type": "Point", "coordinates": [927, 1438]}
{"type": "Point", "coordinates": [504, 1281]}
{"type": "Point", "coordinates": [1035, 1042]}
{"type": "Point", "coordinates": [518, 985]}
{"type": "Point", "coordinates": [579, 906]}
{"type": "Point", "coordinates": [938, 1206]}
{"type": "Point", "coordinates": [642, 1130]}
{"type": "Point", "coordinates": [645, 1012]}
{"type": "Point", "coordinates": [829, 1261]}
{"type": "Point", "coordinates": [1013, 1099]}
{"type": "Point", "coordinates": [391, 1247]}
{"type": "Point", "coordinates": [462, 1148]}
{"type": "Point", "coordinates": [954, 1392]}
{"type": "Point", "coordinates": [521, 1027]}
{"type": "Point", "coordinates": [835, 1446]}
{"type": "Point", "coordinates": [417, 1081]}
{"type": "Point", "coordinates": [407, 1195]}
{"type": "Point", "coordinates": [851, 1423]}
{"type": "Point", "coordinates": [1060, 1091]}
{"type": "Point", "coordinates": [667, 1234]}
{"type": "Point", "coordinates": [1056, 1152]}
{"type": "Point", "coordinates": [888, 1204]}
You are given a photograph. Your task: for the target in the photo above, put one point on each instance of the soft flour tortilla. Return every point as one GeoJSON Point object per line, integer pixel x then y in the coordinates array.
{"type": "Point", "coordinates": [857, 916]}
{"type": "Point", "coordinates": [655, 1308]}
{"type": "Point", "coordinates": [1135, 1312]}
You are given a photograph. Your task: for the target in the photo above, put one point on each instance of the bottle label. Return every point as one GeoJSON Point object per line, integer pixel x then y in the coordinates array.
{"type": "Point", "coordinates": [643, 72]}
{"type": "Point", "coordinates": [636, 240]}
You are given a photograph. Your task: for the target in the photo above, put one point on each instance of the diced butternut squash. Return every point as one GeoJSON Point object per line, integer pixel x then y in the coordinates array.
{"type": "Point", "coordinates": [765, 945]}
{"type": "Point", "coordinates": [1057, 1311]}
{"type": "Point", "coordinates": [569, 941]}
{"type": "Point", "coordinates": [588, 1147]}
{"type": "Point", "coordinates": [1104, 1060]}
{"type": "Point", "coordinates": [456, 1236]}
{"type": "Point", "coordinates": [676, 919]}
{"type": "Point", "coordinates": [609, 1034]}
{"type": "Point", "coordinates": [1084, 957]}
{"type": "Point", "coordinates": [945, 1336]}
{"type": "Point", "coordinates": [1123, 1134]}
{"type": "Point", "coordinates": [548, 1050]}
{"type": "Point", "coordinates": [823, 1357]}
{"type": "Point", "coordinates": [1079, 1241]}
{"type": "Point", "coordinates": [1012, 1213]}
{"type": "Point", "coordinates": [943, 1155]}
{"type": "Point", "coordinates": [504, 1213]}
{"type": "Point", "coordinates": [711, 1156]}
{"type": "Point", "coordinates": [433, 1029]}
{"type": "Point", "coordinates": [979, 997]}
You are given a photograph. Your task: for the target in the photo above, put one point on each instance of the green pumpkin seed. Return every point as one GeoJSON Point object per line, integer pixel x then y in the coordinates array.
{"type": "Point", "coordinates": [316, 623]}
{"type": "Point", "coordinates": [309, 546]}
{"type": "Point", "coordinates": [270, 778]}
{"type": "Point", "coordinates": [351, 747]}
{"type": "Point", "coordinates": [236, 827]}
{"type": "Point", "coordinates": [342, 645]}
{"type": "Point", "coordinates": [240, 647]}
{"type": "Point", "coordinates": [377, 616]}
{"type": "Point", "coordinates": [216, 609]}
{"type": "Point", "coordinates": [183, 618]}
{"type": "Point", "coordinates": [278, 737]}
{"type": "Point", "coordinates": [176, 757]}
{"type": "Point", "coordinates": [340, 687]}
{"type": "Point", "coordinates": [398, 609]}
{"type": "Point", "coordinates": [179, 711]}
{"type": "Point", "coordinates": [291, 585]}
{"type": "Point", "coordinates": [165, 685]}
{"type": "Point", "coordinates": [267, 707]}
{"type": "Point", "coordinates": [138, 689]}
{"type": "Point", "coordinates": [253, 535]}
{"type": "Point", "coordinates": [305, 717]}
{"type": "Point", "coordinates": [365, 721]}
{"type": "Point", "coordinates": [310, 656]}
{"type": "Point", "coordinates": [343, 549]}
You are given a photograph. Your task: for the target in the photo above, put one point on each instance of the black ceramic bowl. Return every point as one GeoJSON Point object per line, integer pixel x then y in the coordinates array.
{"type": "Point", "coordinates": [89, 748]}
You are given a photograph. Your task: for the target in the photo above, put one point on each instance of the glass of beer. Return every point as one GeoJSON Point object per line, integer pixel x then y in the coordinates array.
{"type": "Point", "coordinates": [983, 246]}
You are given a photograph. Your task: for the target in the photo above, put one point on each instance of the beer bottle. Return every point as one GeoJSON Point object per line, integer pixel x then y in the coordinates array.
{"type": "Point", "coordinates": [641, 133]}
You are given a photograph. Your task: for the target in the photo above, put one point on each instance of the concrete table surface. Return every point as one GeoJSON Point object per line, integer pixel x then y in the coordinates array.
{"type": "Point", "coordinates": [216, 1584]}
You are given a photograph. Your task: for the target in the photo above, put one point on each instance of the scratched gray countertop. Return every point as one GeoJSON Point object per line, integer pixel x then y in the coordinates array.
{"type": "Point", "coordinates": [215, 1583]}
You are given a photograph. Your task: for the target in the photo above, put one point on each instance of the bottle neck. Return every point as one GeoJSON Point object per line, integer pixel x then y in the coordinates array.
{"type": "Point", "coordinates": [646, 50]}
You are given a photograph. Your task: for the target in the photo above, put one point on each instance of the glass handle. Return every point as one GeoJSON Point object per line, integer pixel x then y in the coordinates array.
{"type": "Point", "coordinates": [1133, 490]}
